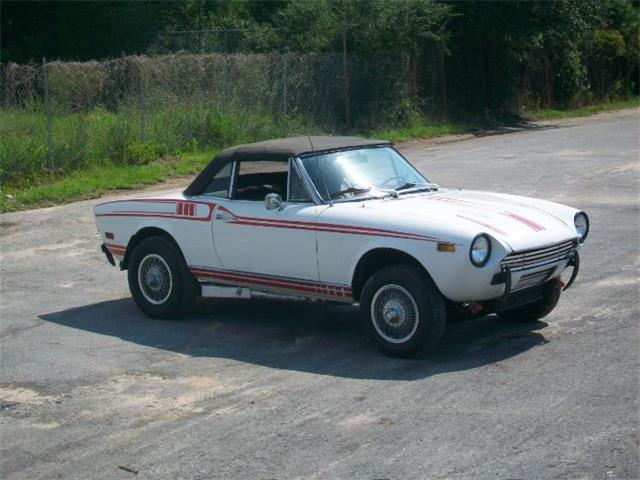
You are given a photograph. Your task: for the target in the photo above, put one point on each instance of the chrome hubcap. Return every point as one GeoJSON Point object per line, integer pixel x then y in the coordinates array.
{"type": "Point", "coordinates": [154, 279]}
{"type": "Point", "coordinates": [394, 313]}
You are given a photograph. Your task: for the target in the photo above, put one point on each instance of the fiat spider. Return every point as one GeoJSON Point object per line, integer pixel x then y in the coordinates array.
{"type": "Point", "coordinates": [343, 220]}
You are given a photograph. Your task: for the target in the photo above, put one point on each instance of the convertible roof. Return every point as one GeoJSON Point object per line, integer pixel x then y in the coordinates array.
{"type": "Point", "coordinates": [276, 150]}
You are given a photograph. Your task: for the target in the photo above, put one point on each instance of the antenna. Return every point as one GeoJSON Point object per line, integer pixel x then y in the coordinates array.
{"type": "Point", "coordinates": [324, 182]}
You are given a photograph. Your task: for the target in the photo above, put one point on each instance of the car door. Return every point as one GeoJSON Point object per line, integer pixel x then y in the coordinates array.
{"type": "Point", "coordinates": [249, 238]}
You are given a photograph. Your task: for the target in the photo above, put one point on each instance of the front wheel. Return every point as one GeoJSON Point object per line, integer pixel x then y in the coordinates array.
{"type": "Point", "coordinates": [402, 311]}
{"type": "Point", "coordinates": [159, 280]}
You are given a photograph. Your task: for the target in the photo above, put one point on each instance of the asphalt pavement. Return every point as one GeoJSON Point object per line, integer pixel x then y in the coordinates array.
{"type": "Point", "coordinates": [276, 390]}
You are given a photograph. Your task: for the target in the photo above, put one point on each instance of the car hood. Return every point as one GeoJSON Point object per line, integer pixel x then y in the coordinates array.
{"type": "Point", "coordinates": [520, 223]}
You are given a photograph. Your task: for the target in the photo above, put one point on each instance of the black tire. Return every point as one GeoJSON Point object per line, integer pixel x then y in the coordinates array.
{"type": "Point", "coordinates": [416, 290]}
{"type": "Point", "coordinates": [176, 293]}
{"type": "Point", "coordinates": [535, 311]}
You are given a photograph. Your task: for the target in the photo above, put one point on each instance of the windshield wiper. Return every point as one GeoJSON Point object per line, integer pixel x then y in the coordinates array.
{"type": "Point", "coordinates": [417, 186]}
{"type": "Point", "coordinates": [405, 186]}
{"type": "Point", "coordinates": [350, 190]}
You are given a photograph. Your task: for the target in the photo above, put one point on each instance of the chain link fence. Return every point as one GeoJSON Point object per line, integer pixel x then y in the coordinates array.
{"type": "Point", "coordinates": [57, 117]}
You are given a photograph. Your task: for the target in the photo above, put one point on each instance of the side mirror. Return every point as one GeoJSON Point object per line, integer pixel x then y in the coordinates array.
{"type": "Point", "coordinates": [273, 201]}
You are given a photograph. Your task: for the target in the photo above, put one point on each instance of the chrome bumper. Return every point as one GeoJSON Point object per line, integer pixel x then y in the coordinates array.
{"type": "Point", "coordinates": [537, 279]}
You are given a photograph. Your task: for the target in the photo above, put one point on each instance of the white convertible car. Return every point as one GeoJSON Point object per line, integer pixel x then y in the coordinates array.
{"type": "Point", "coordinates": [347, 220]}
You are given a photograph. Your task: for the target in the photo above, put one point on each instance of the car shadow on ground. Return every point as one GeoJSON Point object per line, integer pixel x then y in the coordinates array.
{"type": "Point", "coordinates": [302, 337]}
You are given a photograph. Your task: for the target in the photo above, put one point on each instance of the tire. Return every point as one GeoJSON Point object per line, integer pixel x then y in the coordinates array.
{"type": "Point", "coordinates": [159, 280]}
{"type": "Point", "coordinates": [537, 310]}
{"type": "Point", "coordinates": [398, 290]}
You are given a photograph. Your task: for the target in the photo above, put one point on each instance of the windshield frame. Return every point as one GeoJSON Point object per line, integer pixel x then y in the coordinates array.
{"type": "Point", "coordinates": [316, 189]}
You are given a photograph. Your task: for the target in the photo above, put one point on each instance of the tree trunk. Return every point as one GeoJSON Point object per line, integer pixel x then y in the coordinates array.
{"type": "Point", "coordinates": [443, 81]}
{"type": "Point", "coordinates": [483, 67]}
{"type": "Point", "coordinates": [414, 77]}
{"type": "Point", "coordinates": [548, 85]}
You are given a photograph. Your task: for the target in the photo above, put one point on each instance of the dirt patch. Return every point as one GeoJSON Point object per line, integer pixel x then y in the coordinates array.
{"type": "Point", "coordinates": [10, 396]}
{"type": "Point", "coordinates": [7, 227]}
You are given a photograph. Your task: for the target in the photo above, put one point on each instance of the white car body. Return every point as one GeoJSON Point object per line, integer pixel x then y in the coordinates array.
{"type": "Point", "coordinates": [313, 249]}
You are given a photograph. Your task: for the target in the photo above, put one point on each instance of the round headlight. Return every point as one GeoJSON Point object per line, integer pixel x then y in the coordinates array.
{"type": "Point", "coordinates": [480, 250]}
{"type": "Point", "coordinates": [581, 221]}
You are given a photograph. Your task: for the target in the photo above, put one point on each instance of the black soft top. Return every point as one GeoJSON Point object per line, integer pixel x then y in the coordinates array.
{"type": "Point", "coordinates": [276, 150]}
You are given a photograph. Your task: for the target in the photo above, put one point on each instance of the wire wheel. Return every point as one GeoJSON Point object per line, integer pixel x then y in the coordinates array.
{"type": "Point", "coordinates": [394, 313]}
{"type": "Point", "coordinates": [154, 279]}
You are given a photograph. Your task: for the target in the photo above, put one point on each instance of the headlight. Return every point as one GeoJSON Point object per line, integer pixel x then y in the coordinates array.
{"type": "Point", "coordinates": [480, 250]}
{"type": "Point", "coordinates": [581, 221]}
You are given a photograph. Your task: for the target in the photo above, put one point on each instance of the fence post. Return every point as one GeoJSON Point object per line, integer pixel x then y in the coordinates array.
{"type": "Point", "coordinates": [345, 62]}
{"type": "Point", "coordinates": [443, 80]}
{"type": "Point", "coordinates": [284, 84]}
{"type": "Point", "coordinates": [141, 101]}
{"type": "Point", "coordinates": [226, 72]}
{"type": "Point", "coordinates": [47, 109]}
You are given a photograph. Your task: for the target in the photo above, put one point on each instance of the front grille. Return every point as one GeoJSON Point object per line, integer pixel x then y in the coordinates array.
{"type": "Point", "coordinates": [539, 257]}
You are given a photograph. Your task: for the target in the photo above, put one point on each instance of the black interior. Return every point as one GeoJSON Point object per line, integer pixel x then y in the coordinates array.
{"type": "Point", "coordinates": [256, 186]}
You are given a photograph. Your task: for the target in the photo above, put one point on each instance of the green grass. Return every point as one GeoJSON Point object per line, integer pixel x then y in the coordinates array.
{"type": "Point", "coordinates": [99, 152]}
{"type": "Point", "coordinates": [552, 114]}
{"type": "Point", "coordinates": [93, 182]}
{"type": "Point", "coordinates": [421, 130]}
{"type": "Point", "coordinates": [83, 140]}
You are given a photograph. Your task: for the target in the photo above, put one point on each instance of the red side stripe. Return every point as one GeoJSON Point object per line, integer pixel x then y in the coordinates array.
{"type": "Point", "coordinates": [157, 215]}
{"type": "Point", "coordinates": [304, 286]}
{"type": "Point", "coordinates": [181, 212]}
{"type": "Point", "coordinates": [344, 230]}
{"type": "Point", "coordinates": [118, 250]}
{"type": "Point", "coordinates": [187, 211]}
{"type": "Point", "coordinates": [296, 223]}
{"type": "Point", "coordinates": [255, 281]}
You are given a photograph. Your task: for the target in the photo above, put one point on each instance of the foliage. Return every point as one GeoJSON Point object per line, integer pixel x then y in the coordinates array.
{"type": "Point", "coordinates": [473, 56]}
{"type": "Point", "coordinates": [412, 66]}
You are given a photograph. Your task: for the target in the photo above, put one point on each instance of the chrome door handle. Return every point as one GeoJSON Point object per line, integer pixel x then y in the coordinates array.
{"type": "Point", "coordinates": [225, 217]}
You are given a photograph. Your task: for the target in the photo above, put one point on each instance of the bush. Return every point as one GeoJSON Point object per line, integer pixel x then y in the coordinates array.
{"type": "Point", "coordinates": [571, 84]}
{"type": "Point", "coordinates": [144, 153]}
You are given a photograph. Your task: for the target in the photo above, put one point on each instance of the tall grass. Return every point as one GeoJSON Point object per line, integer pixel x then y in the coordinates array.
{"type": "Point", "coordinates": [98, 151]}
{"type": "Point", "coordinates": [100, 137]}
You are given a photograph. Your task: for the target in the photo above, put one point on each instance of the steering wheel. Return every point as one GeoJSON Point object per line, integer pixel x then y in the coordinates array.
{"type": "Point", "coordinates": [390, 179]}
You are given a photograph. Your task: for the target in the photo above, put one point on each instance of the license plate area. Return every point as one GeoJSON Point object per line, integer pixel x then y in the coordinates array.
{"type": "Point", "coordinates": [522, 297]}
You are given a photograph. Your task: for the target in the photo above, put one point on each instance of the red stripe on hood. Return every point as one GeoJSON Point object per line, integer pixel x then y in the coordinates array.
{"type": "Point", "coordinates": [529, 223]}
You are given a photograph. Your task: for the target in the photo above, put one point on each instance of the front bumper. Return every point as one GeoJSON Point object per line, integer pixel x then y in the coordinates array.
{"type": "Point", "coordinates": [533, 283]}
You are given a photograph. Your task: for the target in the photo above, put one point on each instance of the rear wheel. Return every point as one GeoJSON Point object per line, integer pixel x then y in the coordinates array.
{"type": "Point", "coordinates": [159, 280]}
{"type": "Point", "coordinates": [539, 309]}
{"type": "Point", "coordinates": [402, 311]}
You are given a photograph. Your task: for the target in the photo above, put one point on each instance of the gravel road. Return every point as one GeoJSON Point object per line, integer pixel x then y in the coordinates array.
{"type": "Point", "coordinates": [276, 390]}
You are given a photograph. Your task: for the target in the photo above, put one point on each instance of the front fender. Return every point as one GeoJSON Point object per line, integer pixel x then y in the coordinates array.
{"type": "Point", "coordinates": [452, 272]}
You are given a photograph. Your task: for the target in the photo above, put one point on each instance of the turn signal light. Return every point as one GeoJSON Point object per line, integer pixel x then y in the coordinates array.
{"type": "Point", "coordinates": [446, 247]}
{"type": "Point", "coordinates": [475, 308]}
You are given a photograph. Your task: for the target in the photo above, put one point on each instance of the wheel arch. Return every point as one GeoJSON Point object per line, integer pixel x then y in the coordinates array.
{"type": "Point", "coordinates": [140, 235]}
{"type": "Point", "coordinates": [378, 258]}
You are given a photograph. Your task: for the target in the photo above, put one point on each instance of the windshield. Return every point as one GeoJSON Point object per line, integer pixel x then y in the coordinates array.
{"type": "Point", "coordinates": [363, 173]}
